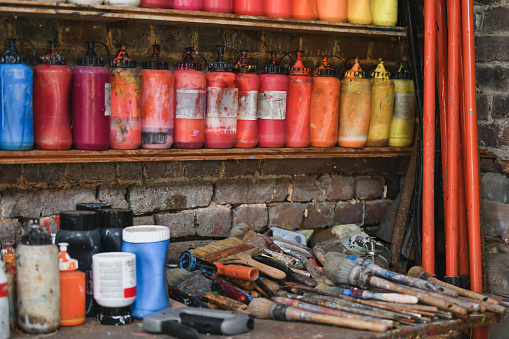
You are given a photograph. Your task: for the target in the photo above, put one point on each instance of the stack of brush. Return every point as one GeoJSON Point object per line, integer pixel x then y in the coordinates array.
{"type": "Point", "coordinates": [283, 280]}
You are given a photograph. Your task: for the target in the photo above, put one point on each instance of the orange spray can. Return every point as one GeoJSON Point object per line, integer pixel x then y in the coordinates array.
{"type": "Point", "coordinates": [72, 290]}
{"type": "Point", "coordinates": [299, 96]}
{"type": "Point", "coordinates": [354, 108]}
{"type": "Point", "coordinates": [324, 111]}
{"type": "Point", "coordinates": [125, 129]}
{"type": "Point", "coordinates": [382, 95]}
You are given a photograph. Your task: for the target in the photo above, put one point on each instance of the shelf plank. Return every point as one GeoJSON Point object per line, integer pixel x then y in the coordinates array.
{"type": "Point", "coordinates": [103, 13]}
{"type": "Point", "coordinates": [76, 156]}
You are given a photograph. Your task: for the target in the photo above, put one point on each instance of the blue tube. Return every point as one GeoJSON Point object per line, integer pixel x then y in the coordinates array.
{"type": "Point", "coordinates": [16, 117]}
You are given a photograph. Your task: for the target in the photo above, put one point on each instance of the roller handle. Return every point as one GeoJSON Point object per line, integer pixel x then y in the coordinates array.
{"type": "Point", "coordinates": [237, 272]}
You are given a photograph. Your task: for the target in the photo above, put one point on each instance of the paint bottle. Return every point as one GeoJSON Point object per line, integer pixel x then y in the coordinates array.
{"type": "Point", "coordinates": [272, 101]}
{"type": "Point", "coordinates": [385, 12]}
{"type": "Point", "coordinates": [11, 283]}
{"type": "Point", "coordinates": [5, 302]}
{"type": "Point", "coordinates": [111, 222]}
{"type": "Point", "coordinates": [382, 96]}
{"type": "Point", "coordinates": [10, 258]}
{"type": "Point", "coordinates": [86, 2]}
{"type": "Point", "coordinates": [277, 8]}
{"type": "Point", "coordinates": [324, 108]}
{"type": "Point", "coordinates": [299, 97]}
{"type": "Point", "coordinates": [304, 9]}
{"type": "Point", "coordinates": [156, 3]}
{"type": "Point", "coordinates": [248, 7]}
{"type": "Point", "coordinates": [91, 96]}
{"type": "Point", "coordinates": [187, 5]}
{"type": "Point", "coordinates": [359, 12]}
{"type": "Point", "coordinates": [354, 108]}
{"type": "Point", "coordinates": [150, 245]}
{"type": "Point", "coordinates": [403, 115]}
{"type": "Point", "coordinates": [79, 230]}
{"type": "Point", "coordinates": [125, 120]}
{"type": "Point", "coordinates": [52, 89]}
{"type": "Point", "coordinates": [157, 103]}
{"type": "Point", "coordinates": [123, 3]}
{"type": "Point", "coordinates": [16, 85]}
{"type": "Point", "coordinates": [332, 10]}
{"type": "Point", "coordinates": [38, 283]}
{"type": "Point", "coordinates": [222, 103]}
{"type": "Point", "coordinates": [249, 84]}
{"type": "Point", "coordinates": [114, 287]}
{"type": "Point", "coordinates": [73, 289]}
{"type": "Point", "coordinates": [190, 103]}
{"type": "Point", "coordinates": [218, 6]}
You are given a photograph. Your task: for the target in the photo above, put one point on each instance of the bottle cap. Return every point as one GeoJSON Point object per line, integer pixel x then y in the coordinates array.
{"type": "Point", "coordinates": [53, 58]}
{"type": "Point", "coordinates": [403, 71]}
{"type": "Point", "coordinates": [380, 72]}
{"type": "Point", "coordinates": [355, 72]}
{"type": "Point", "coordinates": [11, 55]}
{"type": "Point", "coordinates": [122, 60]}
{"type": "Point", "coordinates": [155, 61]}
{"type": "Point", "coordinates": [188, 63]}
{"type": "Point", "coordinates": [243, 65]}
{"type": "Point", "coordinates": [298, 68]}
{"type": "Point", "coordinates": [36, 236]}
{"type": "Point", "coordinates": [114, 218]}
{"type": "Point", "coordinates": [90, 58]}
{"type": "Point", "coordinates": [144, 234]}
{"type": "Point", "coordinates": [324, 70]}
{"type": "Point", "coordinates": [65, 262]}
{"type": "Point", "coordinates": [114, 316]}
{"type": "Point", "coordinates": [78, 220]}
{"type": "Point", "coordinates": [91, 206]}
{"type": "Point", "coordinates": [273, 67]}
{"type": "Point", "coordinates": [220, 65]}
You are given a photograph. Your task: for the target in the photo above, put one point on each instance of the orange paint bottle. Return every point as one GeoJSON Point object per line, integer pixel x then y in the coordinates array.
{"type": "Point", "coordinates": [332, 10]}
{"type": "Point", "coordinates": [304, 9]}
{"type": "Point", "coordinates": [324, 110]}
{"type": "Point", "coordinates": [72, 290]}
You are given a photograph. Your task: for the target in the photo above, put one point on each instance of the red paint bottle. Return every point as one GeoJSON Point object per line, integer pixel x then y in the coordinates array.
{"type": "Point", "coordinates": [190, 103]}
{"type": "Point", "coordinates": [218, 6]}
{"type": "Point", "coordinates": [157, 103]}
{"type": "Point", "coordinates": [272, 98]}
{"type": "Point", "coordinates": [249, 84]}
{"type": "Point", "coordinates": [125, 123]}
{"type": "Point", "coordinates": [156, 3]}
{"type": "Point", "coordinates": [299, 96]}
{"type": "Point", "coordinates": [91, 95]}
{"type": "Point", "coordinates": [277, 8]}
{"type": "Point", "coordinates": [222, 103]}
{"type": "Point", "coordinates": [52, 86]}
{"type": "Point", "coordinates": [248, 7]}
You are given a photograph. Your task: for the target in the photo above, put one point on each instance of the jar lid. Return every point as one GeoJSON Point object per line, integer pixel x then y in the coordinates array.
{"type": "Point", "coordinates": [91, 206]}
{"type": "Point", "coordinates": [146, 233]}
{"type": "Point", "coordinates": [188, 63]}
{"type": "Point", "coordinates": [324, 70]}
{"type": "Point", "coordinates": [11, 55]}
{"type": "Point", "coordinates": [356, 71]}
{"type": "Point", "coordinates": [155, 61]}
{"type": "Point", "coordinates": [273, 67]}
{"type": "Point", "coordinates": [403, 71]}
{"type": "Point", "coordinates": [220, 65]}
{"type": "Point", "coordinates": [122, 60]}
{"type": "Point", "coordinates": [380, 72]}
{"type": "Point", "coordinates": [243, 65]}
{"type": "Point", "coordinates": [53, 58]}
{"type": "Point", "coordinates": [78, 220]}
{"type": "Point", "coordinates": [114, 217]}
{"type": "Point", "coordinates": [114, 316]}
{"type": "Point", "coordinates": [298, 68]}
{"type": "Point", "coordinates": [90, 58]}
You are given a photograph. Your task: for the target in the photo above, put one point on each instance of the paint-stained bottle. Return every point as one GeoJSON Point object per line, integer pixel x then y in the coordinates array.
{"type": "Point", "coordinates": [385, 12]}
{"type": "Point", "coordinates": [332, 10]}
{"type": "Point", "coordinates": [359, 12]}
{"type": "Point", "coordinates": [157, 103]}
{"type": "Point", "coordinates": [248, 7]}
{"type": "Point", "coordinates": [324, 108]}
{"type": "Point", "coordinates": [382, 96]}
{"type": "Point", "coordinates": [354, 108]}
{"type": "Point", "coordinates": [188, 5]}
{"type": "Point", "coordinates": [304, 9]}
{"type": "Point", "coordinates": [73, 290]}
{"type": "Point", "coordinates": [218, 6]}
{"type": "Point", "coordinates": [403, 115]}
{"type": "Point", "coordinates": [7, 323]}
{"type": "Point", "coordinates": [277, 8]}
{"type": "Point", "coordinates": [11, 283]}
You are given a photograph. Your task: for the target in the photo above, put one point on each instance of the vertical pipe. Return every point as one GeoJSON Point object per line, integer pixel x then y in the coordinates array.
{"type": "Point", "coordinates": [428, 124]}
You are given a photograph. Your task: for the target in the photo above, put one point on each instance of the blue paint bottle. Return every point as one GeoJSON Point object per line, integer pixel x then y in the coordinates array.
{"type": "Point", "coordinates": [16, 116]}
{"type": "Point", "coordinates": [150, 244]}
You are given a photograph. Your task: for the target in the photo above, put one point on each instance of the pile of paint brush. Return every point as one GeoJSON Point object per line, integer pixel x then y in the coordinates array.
{"type": "Point", "coordinates": [275, 278]}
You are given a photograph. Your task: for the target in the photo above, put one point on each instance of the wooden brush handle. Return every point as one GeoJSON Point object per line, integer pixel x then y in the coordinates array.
{"type": "Point", "coordinates": [292, 313]}
{"type": "Point", "coordinates": [226, 303]}
{"type": "Point", "coordinates": [392, 297]}
{"type": "Point", "coordinates": [245, 259]}
{"type": "Point", "coordinates": [423, 296]}
{"type": "Point", "coordinates": [464, 292]}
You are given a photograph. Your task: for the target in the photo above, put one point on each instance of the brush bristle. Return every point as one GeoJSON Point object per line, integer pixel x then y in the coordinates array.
{"type": "Point", "coordinates": [177, 275]}
{"type": "Point", "coordinates": [338, 269]}
{"type": "Point", "coordinates": [200, 252]}
{"type": "Point", "coordinates": [415, 271]}
{"type": "Point", "coordinates": [260, 307]}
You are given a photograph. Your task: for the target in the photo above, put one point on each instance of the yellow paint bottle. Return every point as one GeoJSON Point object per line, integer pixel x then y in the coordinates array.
{"type": "Point", "coordinates": [385, 12]}
{"type": "Point", "coordinates": [382, 102]}
{"type": "Point", "coordinates": [359, 12]}
{"type": "Point", "coordinates": [403, 115]}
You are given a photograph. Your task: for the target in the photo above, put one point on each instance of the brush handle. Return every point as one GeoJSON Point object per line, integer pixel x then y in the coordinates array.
{"type": "Point", "coordinates": [300, 278]}
{"type": "Point", "coordinates": [464, 292]}
{"type": "Point", "coordinates": [392, 297]}
{"type": "Point", "coordinates": [244, 284]}
{"type": "Point", "coordinates": [226, 303]}
{"type": "Point", "coordinates": [236, 271]}
{"type": "Point", "coordinates": [230, 290]}
{"type": "Point", "coordinates": [423, 296]}
{"type": "Point", "coordinates": [245, 259]}
{"type": "Point", "coordinates": [319, 253]}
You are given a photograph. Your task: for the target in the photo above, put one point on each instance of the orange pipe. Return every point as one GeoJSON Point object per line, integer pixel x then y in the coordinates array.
{"type": "Point", "coordinates": [428, 124]}
{"type": "Point", "coordinates": [472, 151]}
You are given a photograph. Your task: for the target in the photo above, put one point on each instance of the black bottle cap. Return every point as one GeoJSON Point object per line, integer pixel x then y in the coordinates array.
{"type": "Point", "coordinates": [324, 70]}
{"type": "Point", "coordinates": [243, 65]}
{"type": "Point", "coordinates": [78, 220]}
{"type": "Point", "coordinates": [91, 206]}
{"type": "Point", "coordinates": [403, 72]}
{"type": "Point", "coordinates": [90, 58]}
{"type": "Point", "coordinates": [114, 218]}
{"type": "Point", "coordinates": [273, 67]}
{"type": "Point", "coordinates": [188, 63]}
{"type": "Point", "coordinates": [155, 61]}
{"type": "Point", "coordinates": [53, 58]}
{"type": "Point", "coordinates": [122, 60]}
{"type": "Point", "coordinates": [220, 65]}
{"type": "Point", "coordinates": [11, 55]}
{"type": "Point", "coordinates": [115, 316]}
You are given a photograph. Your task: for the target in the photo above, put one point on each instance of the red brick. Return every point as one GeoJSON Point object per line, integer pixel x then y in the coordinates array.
{"type": "Point", "coordinates": [130, 171]}
{"type": "Point", "coordinates": [364, 166]}
{"type": "Point", "coordinates": [105, 172]}
{"type": "Point", "coordinates": [375, 211]}
{"type": "Point", "coordinates": [234, 168]}
{"type": "Point", "coordinates": [181, 224]}
{"type": "Point", "coordinates": [286, 215]}
{"type": "Point", "coordinates": [348, 213]}
{"type": "Point", "coordinates": [202, 169]}
{"type": "Point", "coordinates": [319, 215]}
{"type": "Point", "coordinates": [163, 170]}
{"type": "Point", "coordinates": [337, 187]}
{"type": "Point", "coordinates": [10, 230]}
{"type": "Point", "coordinates": [44, 174]}
{"type": "Point", "coordinates": [296, 166]}
{"type": "Point", "coordinates": [367, 188]}
{"type": "Point", "coordinates": [214, 221]}
{"type": "Point", "coordinates": [306, 189]}
{"type": "Point", "coordinates": [250, 191]}
{"type": "Point", "coordinates": [249, 217]}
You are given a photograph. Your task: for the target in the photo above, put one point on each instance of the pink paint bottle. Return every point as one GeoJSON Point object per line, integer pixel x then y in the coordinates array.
{"type": "Point", "coordinates": [277, 8]}
{"type": "Point", "coordinates": [248, 7]}
{"type": "Point", "coordinates": [218, 6]}
{"type": "Point", "coordinates": [188, 5]}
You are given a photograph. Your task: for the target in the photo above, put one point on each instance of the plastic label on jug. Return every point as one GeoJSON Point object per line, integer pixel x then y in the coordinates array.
{"type": "Point", "coordinates": [107, 99]}
{"type": "Point", "coordinates": [403, 105]}
{"type": "Point", "coordinates": [272, 105]}
{"type": "Point", "coordinates": [115, 281]}
{"type": "Point", "coordinates": [4, 290]}
{"type": "Point", "coordinates": [248, 105]}
{"type": "Point", "coordinates": [222, 102]}
{"type": "Point", "coordinates": [191, 103]}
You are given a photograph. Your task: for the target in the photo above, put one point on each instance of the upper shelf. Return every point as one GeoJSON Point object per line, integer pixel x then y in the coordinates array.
{"type": "Point", "coordinates": [53, 10]}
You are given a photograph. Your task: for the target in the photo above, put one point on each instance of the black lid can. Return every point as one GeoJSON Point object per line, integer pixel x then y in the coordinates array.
{"type": "Point", "coordinates": [78, 220]}
{"type": "Point", "coordinates": [91, 206]}
{"type": "Point", "coordinates": [114, 217]}
{"type": "Point", "coordinates": [115, 316]}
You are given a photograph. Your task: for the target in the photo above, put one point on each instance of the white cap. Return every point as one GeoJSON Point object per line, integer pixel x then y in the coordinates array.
{"type": "Point", "coordinates": [146, 233]}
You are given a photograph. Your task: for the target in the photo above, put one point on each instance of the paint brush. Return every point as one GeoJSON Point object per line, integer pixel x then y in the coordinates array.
{"type": "Point", "coordinates": [216, 246]}
{"type": "Point", "coordinates": [416, 307]}
{"type": "Point", "coordinates": [185, 298]}
{"type": "Point", "coordinates": [226, 303]}
{"type": "Point", "coordinates": [263, 308]}
{"type": "Point", "coordinates": [289, 273]}
{"type": "Point", "coordinates": [245, 258]}
{"type": "Point", "coordinates": [392, 297]}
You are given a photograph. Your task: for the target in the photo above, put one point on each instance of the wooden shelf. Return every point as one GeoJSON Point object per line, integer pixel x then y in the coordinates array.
{"type": "Point", "coordinates": [100, 13]}
{"type": "Point", "coordinates": [73, 156]}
